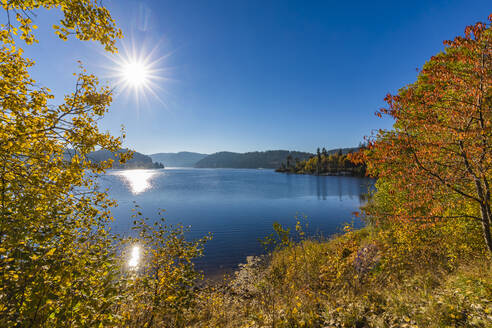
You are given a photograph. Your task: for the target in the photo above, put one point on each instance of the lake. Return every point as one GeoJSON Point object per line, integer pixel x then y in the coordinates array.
{"type": "Point", "coordinates": [238, 206]}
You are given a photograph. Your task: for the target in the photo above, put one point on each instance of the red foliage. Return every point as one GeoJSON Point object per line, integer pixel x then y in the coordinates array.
{"type": "Point", "coordinates": [440, 151]}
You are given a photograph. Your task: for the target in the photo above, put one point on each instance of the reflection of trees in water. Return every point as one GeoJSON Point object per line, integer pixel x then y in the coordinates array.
{"type": "Point", "coordinates": [366, 189]}
{"type": "Point", "coordinates": [321, 188]}
{"type": "Point", "coordinates": [340, 187]}
{"type": "Point", "coordinates": [290, 189]}
{"type": "Point", "coordinates": [363, 198]}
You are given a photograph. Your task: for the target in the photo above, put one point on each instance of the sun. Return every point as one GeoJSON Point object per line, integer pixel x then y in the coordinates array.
{"type": "Point", "coordinates": [135, 74]}
{"type": "Point", "coordinates": [138, 72]}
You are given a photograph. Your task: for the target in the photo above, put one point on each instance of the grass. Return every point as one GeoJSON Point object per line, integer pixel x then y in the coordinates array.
{"type": "Point", "coordinates": [357, 279]}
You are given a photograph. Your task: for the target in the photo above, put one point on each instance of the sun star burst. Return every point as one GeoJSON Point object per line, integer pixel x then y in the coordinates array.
{"type": "Point", "coordinates": [138, 72]}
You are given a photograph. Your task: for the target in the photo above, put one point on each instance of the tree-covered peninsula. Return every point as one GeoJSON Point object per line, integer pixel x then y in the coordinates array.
{"type": "Point", "coordinates": [333, 162]}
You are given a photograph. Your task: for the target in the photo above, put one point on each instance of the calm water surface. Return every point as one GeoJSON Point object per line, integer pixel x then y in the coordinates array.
{"type": "Point", "coordinates": [238, 206]}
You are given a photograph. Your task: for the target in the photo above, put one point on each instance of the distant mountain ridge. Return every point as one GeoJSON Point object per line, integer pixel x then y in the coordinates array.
{"type": "Point", "coordinates": [181, 159]}
{"type": "Point", "coordinates": [270, 159]}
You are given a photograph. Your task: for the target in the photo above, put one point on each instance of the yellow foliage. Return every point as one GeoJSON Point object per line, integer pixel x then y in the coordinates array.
{"type": "Point", "coordinates": [58, 263]}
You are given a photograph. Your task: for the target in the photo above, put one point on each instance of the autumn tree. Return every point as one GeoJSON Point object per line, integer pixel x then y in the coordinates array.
{"type": "Point", "coordinates": [289, 159]}
{"type": "Point", "coordinates": [439, 154]}
{"type": "Point", "coordinates": [57, 261]}
{"type": "Point", "coordinates": [324, 152]}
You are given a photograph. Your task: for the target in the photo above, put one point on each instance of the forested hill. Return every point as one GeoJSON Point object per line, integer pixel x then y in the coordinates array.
{"type": "Point", "coordinates": [138, 160]}
{"type": "Point", "coordinates": [252, 160]}
{"type": "Point", "coordinates": [181, 159]}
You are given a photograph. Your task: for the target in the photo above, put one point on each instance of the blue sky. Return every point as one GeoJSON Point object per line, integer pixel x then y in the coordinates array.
{"type": "Point", "coordinates": [259, 75]}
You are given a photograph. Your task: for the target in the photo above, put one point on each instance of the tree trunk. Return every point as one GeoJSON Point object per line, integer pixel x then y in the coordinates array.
{"type": "Point", "coordinates": [486, 225]}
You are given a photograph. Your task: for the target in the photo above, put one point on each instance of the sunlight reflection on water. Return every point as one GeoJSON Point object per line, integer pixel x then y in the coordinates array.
{"type": "Point", "coordinates": [138, 180]}
{"type": "Point", "coordinates": [135, 257]}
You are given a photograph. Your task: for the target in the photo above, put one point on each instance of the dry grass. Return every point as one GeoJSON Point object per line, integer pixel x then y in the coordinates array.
{"type": "Point", "coordinates": [348, 282]}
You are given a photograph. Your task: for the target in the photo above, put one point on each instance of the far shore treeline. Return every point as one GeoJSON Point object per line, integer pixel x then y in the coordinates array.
{"type": "Point", "coordinates": [324, 162]}
{"type": "Point", "coordinates": [331, 162]}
